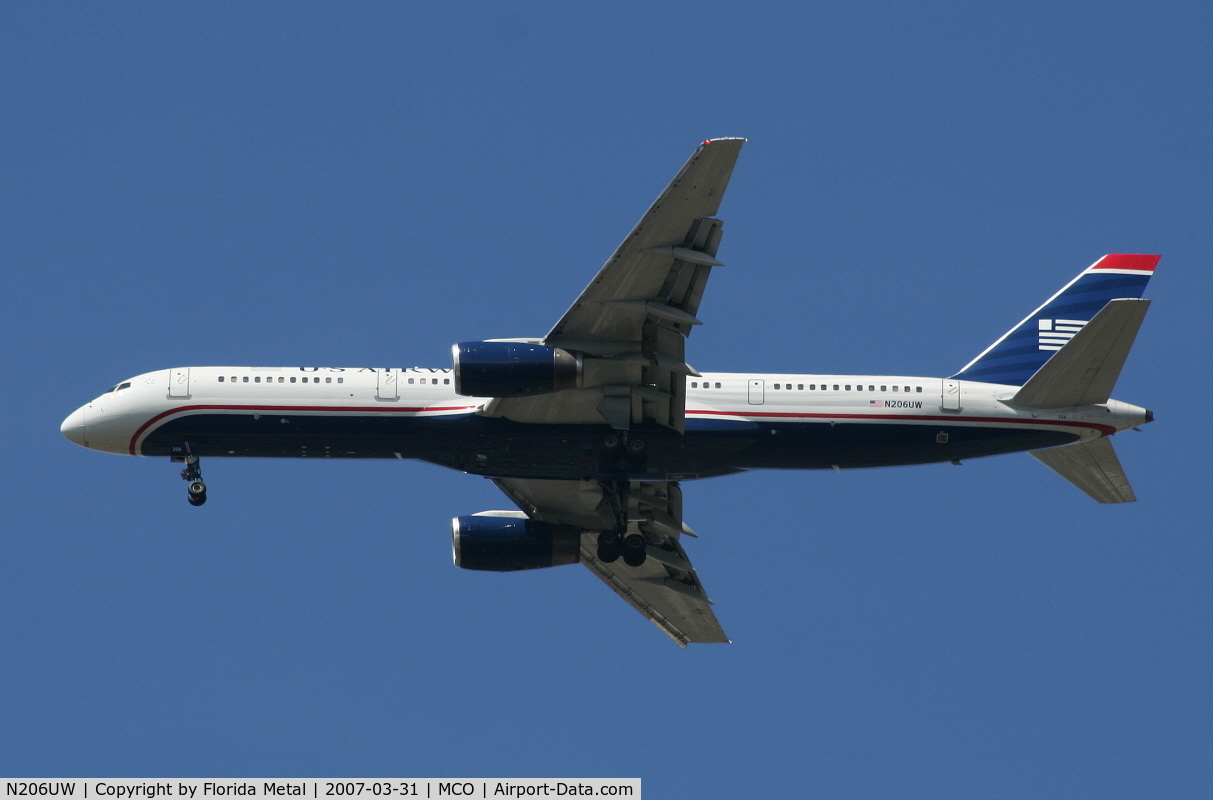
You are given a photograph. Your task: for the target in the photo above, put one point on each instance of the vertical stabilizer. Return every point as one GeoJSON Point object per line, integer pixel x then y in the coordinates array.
{"type": "Point", "coordinates": [1025, 348]}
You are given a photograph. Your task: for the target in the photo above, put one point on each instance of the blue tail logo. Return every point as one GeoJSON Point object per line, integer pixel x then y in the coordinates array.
{"type": "Point", "coordinates": [1025, 348]}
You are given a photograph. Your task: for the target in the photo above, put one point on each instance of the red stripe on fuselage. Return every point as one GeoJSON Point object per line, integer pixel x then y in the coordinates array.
{"type": "Point", "coordinates": [359, 409]}
{"type": "Point", "coordinates": [1106, 430]}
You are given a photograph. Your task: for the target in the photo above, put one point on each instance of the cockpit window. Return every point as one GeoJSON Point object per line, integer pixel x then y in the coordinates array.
{"type": "Point", "coordinates": [122, 386]}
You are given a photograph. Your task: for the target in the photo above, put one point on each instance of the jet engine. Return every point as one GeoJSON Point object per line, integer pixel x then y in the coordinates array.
{"type": "Point", "coordinates": [506, 543]}
{"type": "Point", "coordinates": [513, 369]}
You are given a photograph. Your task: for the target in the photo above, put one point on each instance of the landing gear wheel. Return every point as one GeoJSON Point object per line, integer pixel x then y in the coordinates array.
{"type": "Point", "coordinates": [608, 547]}
{"type": "Point", "coordinates": [610, 441]}
{"type": "Point", "coordinates": [193, 473]}
{"type": "Point", "coordinates": [636, 446]}
{"type": "Point", "coordinates": [197, 493]}
{"type": "Point", "coordinates": [634, 550]}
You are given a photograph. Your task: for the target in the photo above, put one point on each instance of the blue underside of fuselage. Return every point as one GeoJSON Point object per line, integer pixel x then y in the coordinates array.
{"type": "Point", "coordinates": [497, 447]}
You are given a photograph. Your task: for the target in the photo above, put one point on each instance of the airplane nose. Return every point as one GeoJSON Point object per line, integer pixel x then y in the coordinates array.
{"type": "Point", "coordinates": [73, 427]}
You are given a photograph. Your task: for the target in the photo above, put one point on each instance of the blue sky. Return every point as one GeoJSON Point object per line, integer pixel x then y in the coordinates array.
{"type": "Point", "coordinates": [349, 184]}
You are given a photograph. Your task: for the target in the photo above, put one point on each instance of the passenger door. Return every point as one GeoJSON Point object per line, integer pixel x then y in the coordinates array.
{"type": "Point", "coordinates": [757, 391]}
{"type": "Point", "coordinates": [179, 382]}
{"type": "Point", "coordinates": [951, 396]}
{"type": "Point", "coordinates": [388, 387]}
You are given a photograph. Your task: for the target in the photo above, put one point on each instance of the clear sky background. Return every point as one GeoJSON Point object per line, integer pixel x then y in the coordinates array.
{"type": "Point", "coordinates": [363, 184]}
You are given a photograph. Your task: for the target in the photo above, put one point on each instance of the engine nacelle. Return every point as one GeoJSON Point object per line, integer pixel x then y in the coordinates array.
{"type": "Point", "coordinates": [502, 544]}
{"type": "Point", "coordinates": [513, 369]}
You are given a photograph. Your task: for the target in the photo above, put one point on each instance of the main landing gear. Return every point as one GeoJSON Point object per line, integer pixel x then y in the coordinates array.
{"type": "Point", "coordinates": [633, 547]}
{"type": "Point", "coordinates": [612, 544]}
{"type": "Point", "coordinates": [196, 492]}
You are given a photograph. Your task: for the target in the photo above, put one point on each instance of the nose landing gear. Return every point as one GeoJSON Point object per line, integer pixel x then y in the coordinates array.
{"type": "Point", "coordinates": [196, 493]}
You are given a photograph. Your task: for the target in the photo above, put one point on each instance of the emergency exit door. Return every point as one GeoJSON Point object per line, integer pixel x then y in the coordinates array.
{"type": "Point", "coordinates": [757, 390]}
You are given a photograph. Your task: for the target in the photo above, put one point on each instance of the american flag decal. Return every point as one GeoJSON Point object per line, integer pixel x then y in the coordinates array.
{"type": "Point", "coordinates": [876, 403]}
{"type": "Point", "coordinates": [1054, 333]}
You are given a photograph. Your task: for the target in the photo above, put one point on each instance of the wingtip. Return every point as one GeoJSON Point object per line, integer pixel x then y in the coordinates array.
{"type": "Point", "coordinates": [707, 142]}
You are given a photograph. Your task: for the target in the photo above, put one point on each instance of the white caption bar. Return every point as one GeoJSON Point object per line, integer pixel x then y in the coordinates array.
{"type": "Point", "coordinates": [207, 788]}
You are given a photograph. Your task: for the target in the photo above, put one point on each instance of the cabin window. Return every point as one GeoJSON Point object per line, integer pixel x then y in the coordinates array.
{"type": "Point", "coordinates": [895, 388]}
{"type": "Point", "coordinates": [246, 378]}
{"type": "Point", "coordinates": [694, 384]}
{"type": "Point", "coordinates": [221, 379]}
{"type": "Point", "coordinates": [280, 380]}
{"type": "Point", "coordinates": [292, 380]}
{"type": "Point", "coordinates": [835, 387]}
{"type": "Point", "coordinates": [848, 387]}
{"type": "Point", "coordinates": [257, 379]}
{"type": "Point", "coordinates": [800, 387]}
{"type": "Point", "coordinates": [410, 380]}
{"type": "Point", "coordinates": [777, 386]}
{"type": "Point", "coordinates": [884, 388]}
{"type": "Point", "coordinates": [907, 388]}
{"type": "Point", "coordinates": [328, 380]}
{"type": "Point", "coordinates": [341, 380]}
{"type": "Point", "coordinates": [920, 388]}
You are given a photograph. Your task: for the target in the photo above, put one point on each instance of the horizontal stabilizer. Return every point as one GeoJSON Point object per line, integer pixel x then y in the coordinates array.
{"type": "Point", "coordinates": [1091, 466]}
{"type": "Point", "coordinates": [1085, 369]}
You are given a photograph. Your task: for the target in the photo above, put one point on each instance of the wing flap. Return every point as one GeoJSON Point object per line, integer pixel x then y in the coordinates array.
{"type": "Point", "coordinates": [665, 588]}
{"type": "Point", "coordinates": [679, 609]}
{"type": "Point", "coordinates": [630, 324]}
{"type": "Point", "coordinates": [674, 236]}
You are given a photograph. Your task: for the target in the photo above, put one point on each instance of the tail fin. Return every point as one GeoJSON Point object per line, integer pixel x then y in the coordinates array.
{"type": "Point", "coordinates": [1024, 349]}
{"type": "Point", "coordinates": [1091, 466]}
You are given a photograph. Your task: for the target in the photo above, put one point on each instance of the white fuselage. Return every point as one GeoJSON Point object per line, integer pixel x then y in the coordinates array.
{"type": "Point", "coordinates": [122, 420]}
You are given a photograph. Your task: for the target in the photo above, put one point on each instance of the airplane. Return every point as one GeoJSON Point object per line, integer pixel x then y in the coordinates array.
{"type": "Point", "coordinates": [592, 429]}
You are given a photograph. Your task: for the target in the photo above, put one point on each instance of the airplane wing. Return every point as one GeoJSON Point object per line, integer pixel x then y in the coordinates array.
{"type": "Point", "coordinates": [665, 588]}
{"type": "Point", "coordinates": [630, 324]}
